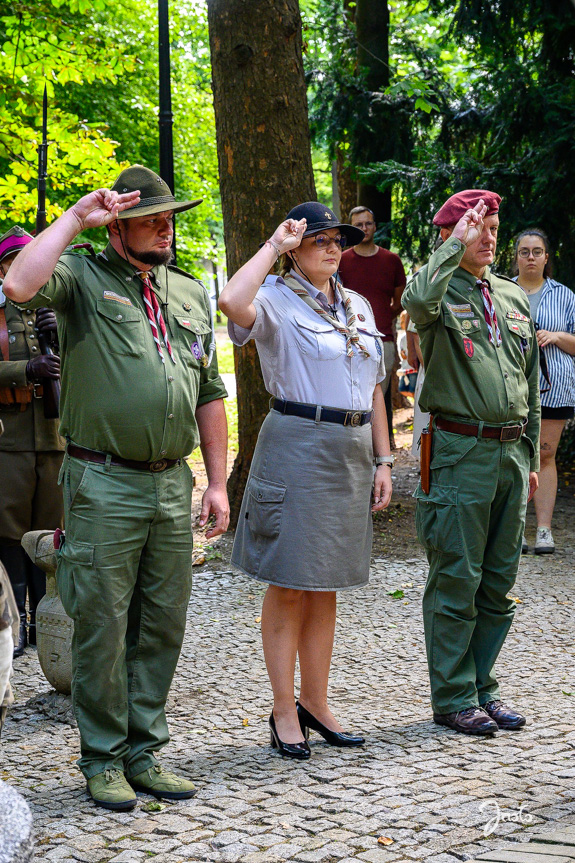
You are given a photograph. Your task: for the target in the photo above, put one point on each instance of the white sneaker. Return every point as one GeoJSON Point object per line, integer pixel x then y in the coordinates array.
{"type": "Point", "coordinates": [524, 546]}
{"type": "Point", "coordinates": [544, 542]}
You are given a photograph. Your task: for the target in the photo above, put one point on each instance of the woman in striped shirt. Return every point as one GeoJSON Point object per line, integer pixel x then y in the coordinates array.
{"type": "Point", "coordinates": [553, 312]}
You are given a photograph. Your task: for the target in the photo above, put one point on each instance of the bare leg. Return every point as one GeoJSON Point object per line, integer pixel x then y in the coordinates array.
{"type": "Point", "coordinates": [544, 497]}
{"type": "Point", "coordinates": [281, 624]}
{"type": "Point", "coordinates": [315, 649]}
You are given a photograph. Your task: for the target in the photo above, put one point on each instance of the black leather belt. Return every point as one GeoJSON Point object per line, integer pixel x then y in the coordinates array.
{"type": "Point", "coordinates": [96, 457]}
{"type": "Point", "coordinates": [321, 414]}
{"type": "Point", "coordinates": [503, 433]}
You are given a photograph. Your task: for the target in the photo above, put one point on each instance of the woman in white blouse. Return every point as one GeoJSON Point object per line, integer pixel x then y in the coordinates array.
{"type": "Point", "coordinates": [305, 523]}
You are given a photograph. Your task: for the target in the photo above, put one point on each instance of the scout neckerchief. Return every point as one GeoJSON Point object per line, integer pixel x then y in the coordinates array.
{"type": "Point", "coordinates": [349, 331]}
{"type": "Point", "coordinates": [154, 313]}
{"type": "Point", "coordinates": [490, 313]}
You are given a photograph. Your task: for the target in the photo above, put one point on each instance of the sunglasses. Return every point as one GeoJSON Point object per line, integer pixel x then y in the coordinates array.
{"type": "Point", "coordinates": [537, 253]}
{"type": "Point", "coordinates": [322, 241]}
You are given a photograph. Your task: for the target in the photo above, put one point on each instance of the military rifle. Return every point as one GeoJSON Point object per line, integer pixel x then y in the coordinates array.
{"type": "Point", "coordinates": [48, 345]}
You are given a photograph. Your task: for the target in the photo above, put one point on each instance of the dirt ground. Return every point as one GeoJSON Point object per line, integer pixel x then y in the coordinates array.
{"type": "Point", "coordinates": [394, 529]}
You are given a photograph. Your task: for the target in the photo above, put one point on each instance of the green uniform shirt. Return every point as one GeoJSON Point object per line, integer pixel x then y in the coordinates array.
{"type": "Point", "coordinates": [24, 430]}
{"type": "Point", "coordinates": [117, 395]}
{"type": "Point", "coordinates": [466, 376]}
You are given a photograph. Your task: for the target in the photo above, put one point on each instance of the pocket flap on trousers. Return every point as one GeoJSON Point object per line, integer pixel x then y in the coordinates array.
{"type": "Point", "coordinates": [444, 495]}
{"type": "Point", "coordinates": [265, 491]}
{"type": "Point", "coordinates": [77, 552]}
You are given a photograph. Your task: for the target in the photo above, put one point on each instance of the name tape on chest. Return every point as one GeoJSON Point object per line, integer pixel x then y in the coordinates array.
{"type": "Point", "coordinates": [463, 310]}
{"type": "Point", "coordinates": [111, 295]}
{"type": "Point", "coordinates": [515, 315]}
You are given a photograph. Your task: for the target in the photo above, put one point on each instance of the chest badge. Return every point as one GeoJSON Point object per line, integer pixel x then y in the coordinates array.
{"type": "Point", "coordinates": [187, 307]}
{"type": "Point", "coordinates": [361, 317]}
{"type": "Point", "coordinates": [468, 347]}
{"type": "Point", "coordinates": [466, 325]}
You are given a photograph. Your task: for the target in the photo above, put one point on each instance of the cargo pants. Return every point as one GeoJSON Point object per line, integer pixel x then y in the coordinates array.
{"type": "Point", "coordinates": [124, 576]}
{"type": "Point", "coordinates": [471, 525]}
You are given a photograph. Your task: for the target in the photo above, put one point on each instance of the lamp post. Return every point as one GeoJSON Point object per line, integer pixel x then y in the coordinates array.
{"type": "Point", "coordinates": [165, 114]}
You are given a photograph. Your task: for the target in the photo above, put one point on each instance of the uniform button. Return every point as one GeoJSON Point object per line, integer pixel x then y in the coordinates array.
{"type": "Point", "coordinates": [30, 323]}
{"type": "Point", "coordinates": [28, 311]}
{"type": "Point", "coordinates": [164, 451]}
{"type": "Point", "coordinates": [31, 336]}
{"type": "Point", "coordinates": [128, 278]}
{"type": "Point", "coordinates": [33, 348]}
{"type": "Point", "coordinates": [511, 405]}
{"type": "Point", "coordinates": [171, 416]}
{"type": "Point", "coordinates": [505, 375]}
{"type": "Point", "coordinates": [118, 317]}
{"type": "Point", "coordinates": [454, 246]}
{"type": "Point", "coordinates": [170, 378]}
{"type": "Point", "coordinates": [354, 382]}
{"type": "Point", "coordinates": [14, 384]}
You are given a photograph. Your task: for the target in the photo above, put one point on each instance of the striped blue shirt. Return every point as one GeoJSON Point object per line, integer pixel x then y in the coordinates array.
{"type": "Point", "coordinates": [556, 313]}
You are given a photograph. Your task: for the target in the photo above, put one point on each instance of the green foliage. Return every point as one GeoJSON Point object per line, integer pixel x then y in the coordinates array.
{"type": "Point", "coordinates": [102, 75]}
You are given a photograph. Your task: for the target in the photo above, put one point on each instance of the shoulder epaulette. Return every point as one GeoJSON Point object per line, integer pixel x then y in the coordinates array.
{"type": "Point", "coordinates": [175, 269]}
{"type": "Point", "coordinates": [505, 278]}
{"type": "Point", "coordinates": [78, 247]}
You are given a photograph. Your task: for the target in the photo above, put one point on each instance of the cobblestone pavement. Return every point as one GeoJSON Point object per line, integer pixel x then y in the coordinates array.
{"type": "Point", "coordinates": [421, 786]}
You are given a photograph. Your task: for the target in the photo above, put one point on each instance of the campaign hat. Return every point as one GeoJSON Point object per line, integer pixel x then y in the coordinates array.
{"type": "Point", "coordinates": [13, 241]}
{"type": "Point", "coordinates": [320, 218]}
{"type": "Point", "coordinates": [155, 194]}
{"type": "Point", "coordinates": [457, 205]}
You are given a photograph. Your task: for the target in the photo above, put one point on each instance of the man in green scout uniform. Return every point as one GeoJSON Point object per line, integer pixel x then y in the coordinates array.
{"type": "Point", "coordinates": [481, 387]}
{"type": "Point", "coordinates": [140, 390]}
{"type": "Point", "coordinates": [31, 449]}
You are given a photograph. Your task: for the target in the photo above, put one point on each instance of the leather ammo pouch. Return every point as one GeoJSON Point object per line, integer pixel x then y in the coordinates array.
{"type": "Point", "coordinates": [425, 454]}
{"type": "Point", "coordinates": [19, 395]}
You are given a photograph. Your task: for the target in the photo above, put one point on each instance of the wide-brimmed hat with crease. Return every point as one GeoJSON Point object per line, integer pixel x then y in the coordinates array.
{"type": "Point", "coordinates": [155, 194]}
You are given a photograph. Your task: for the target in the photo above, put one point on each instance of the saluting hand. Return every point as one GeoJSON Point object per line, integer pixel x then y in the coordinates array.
{"type": "Point", "coordinates": [102, 206]}
{"type": "Point", "coordinates": [289, 234]}
{"type": "Point", "coordinates": [469, 227]}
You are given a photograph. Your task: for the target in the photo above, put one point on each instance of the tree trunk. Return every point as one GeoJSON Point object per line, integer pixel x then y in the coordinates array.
{"type": "Point", "coordinates": [346, 187]}
{"type": "Point", "coordinates": [264, 158]}
{"type": "Point", "coordinates": [372, 32]}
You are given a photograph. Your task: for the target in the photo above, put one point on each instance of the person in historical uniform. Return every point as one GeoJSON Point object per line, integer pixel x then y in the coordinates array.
{"type": "Point", "coordinates": [482, 389]}
{"type": "Point", "coordinates": [140, 390]}
{"type": "Point", "coordinates": [31, 449]}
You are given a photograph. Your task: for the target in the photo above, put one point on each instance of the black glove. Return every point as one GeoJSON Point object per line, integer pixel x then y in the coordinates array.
{"type": "Point", "coordinates": [46, 321]}
{"type": "Point", "coordinates": [42, 367]}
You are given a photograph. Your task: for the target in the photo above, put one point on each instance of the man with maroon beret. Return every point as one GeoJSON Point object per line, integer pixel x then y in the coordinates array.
{"type": "Point", "coordinates": [482, 390]}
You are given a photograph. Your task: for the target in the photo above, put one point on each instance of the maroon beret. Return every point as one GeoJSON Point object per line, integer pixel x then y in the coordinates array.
{"type": "Point", "coordinates": [456, 206]}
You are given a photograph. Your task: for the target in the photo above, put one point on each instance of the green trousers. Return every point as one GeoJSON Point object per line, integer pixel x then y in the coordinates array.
{"type": "Point", "coordinates": [470, 525]}
{"type": "Point", "coordinates": [124, 576]}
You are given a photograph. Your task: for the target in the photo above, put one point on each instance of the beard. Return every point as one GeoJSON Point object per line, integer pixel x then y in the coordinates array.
{"type": "Point", "coordinates": [154, 258]}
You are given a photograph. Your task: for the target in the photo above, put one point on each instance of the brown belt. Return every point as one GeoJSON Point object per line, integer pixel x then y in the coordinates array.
{"type": "Point", "coordinates": [502, 433]}
{"type": "Point", "coordinates": [91, 455]}
{"type": "Point", "coordinates": [20, 395]}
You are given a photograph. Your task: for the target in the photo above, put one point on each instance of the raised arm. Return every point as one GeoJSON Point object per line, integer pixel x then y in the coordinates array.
{"type": "Point", "coordinates": [35, 264]}
{"type": "Point", "coordinates": [237, 298]}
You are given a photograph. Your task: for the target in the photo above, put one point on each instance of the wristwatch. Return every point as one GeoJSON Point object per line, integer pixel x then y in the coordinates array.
{"type": "Point", "coordinates": [384, 459]}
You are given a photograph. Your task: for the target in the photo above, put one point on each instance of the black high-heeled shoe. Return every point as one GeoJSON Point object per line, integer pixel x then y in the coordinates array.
{"type": "Point", "coordinates": [289, 750]}
{"type": "Point", "coordinates": [334, 738]}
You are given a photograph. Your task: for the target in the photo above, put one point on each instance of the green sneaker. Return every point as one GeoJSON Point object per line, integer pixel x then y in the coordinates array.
{"type": "Point", "coordinates": [111, 791]}
{"type": "Point", "coordinates": [161, 783]}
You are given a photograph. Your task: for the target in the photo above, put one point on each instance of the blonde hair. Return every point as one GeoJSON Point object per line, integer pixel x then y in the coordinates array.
{"type": "Point", "coordinates": [284, 264]}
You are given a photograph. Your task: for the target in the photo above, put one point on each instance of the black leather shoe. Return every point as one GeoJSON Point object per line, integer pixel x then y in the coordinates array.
{"type": "Point", "coordinates": [471, 720]}
{"type": "Point", "coordinates": [334, 738]}
{"type": "Point", "coordinates": [22, 641]}
{"type": "Point", "coordinates": [289, 750]}
{"type": "Point", "coordinates": [504, 716]}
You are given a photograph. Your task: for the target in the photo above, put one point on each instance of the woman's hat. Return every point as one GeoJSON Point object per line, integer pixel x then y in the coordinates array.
{"type": "Point", "coordinates": [13, 241]}
{"type": "Point", "coordinates": [319, 218]}
{"type": "Point", "coordinates": [155, 194]}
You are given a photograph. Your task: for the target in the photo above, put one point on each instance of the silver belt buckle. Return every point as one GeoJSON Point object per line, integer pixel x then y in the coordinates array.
{"type": "Point", "coordinates": [159, 465]}
{"type": "Point", "coordinates": [509, 433]}
{"type": "Point", "coordinates": [353, 418]}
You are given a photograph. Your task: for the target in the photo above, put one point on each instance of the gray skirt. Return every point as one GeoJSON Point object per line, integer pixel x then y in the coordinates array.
{"type": "Point", "coordinates": [305, 520]}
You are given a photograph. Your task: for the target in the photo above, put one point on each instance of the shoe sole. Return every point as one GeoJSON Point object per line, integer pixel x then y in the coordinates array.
{"type": "Point", "coordinates": [512, 727]}
{"type": "Point", "coordinates": [544, 550]}
{"type": "Point", "coordinates": [164, 795]}
{"type": "Point", "coordinates": [115, 807]}
{"type": "Point", "coordinates": [469, 732]}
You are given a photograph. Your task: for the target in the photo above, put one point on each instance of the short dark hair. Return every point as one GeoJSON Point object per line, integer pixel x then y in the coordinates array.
{"type": "Point", "coordinates": [533, 232]}
{"type": "Point", "coordinates": [357, 210]}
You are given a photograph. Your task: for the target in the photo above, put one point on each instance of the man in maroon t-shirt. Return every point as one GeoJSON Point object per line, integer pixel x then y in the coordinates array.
{"type": "Point", "coordinates": [378, 275]}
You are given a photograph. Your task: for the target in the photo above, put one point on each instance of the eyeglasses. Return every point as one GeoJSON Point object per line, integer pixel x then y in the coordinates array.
{"type": "Point", "coordinates": [322, 241]}
{"type": "Point", "coordinates": [363, 224]}
{"type": "Point", "coordinates": [537, 253]}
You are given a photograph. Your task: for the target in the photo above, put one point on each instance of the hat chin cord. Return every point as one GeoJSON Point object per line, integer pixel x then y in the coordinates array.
{"type": "Point", "coordinates": [337, 279]}
{"type": "Point", "coordinates": [137, 272]}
